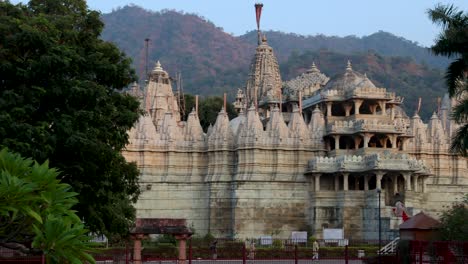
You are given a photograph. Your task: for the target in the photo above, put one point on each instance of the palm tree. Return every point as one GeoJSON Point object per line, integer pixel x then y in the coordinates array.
{"type": "Point", "coordinates": [453, 43]}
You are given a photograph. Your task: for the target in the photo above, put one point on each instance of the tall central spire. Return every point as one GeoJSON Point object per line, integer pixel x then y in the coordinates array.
{"type": "Point", "coordinates": [264, 82]}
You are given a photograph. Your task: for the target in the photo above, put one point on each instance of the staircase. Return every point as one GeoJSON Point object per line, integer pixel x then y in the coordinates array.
{"type": "Point", "coordinates": [390, 248]}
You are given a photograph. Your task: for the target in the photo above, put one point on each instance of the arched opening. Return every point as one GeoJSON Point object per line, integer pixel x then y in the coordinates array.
{"type": "Point", "coordinates": [355, 182]}
{"type": "Point", "coordinates": [365, 108]}
{"type": "Point", "coordinates": [372, 183]}
{"type": "Point", "coordinates": [330, 142]}
{"type": "Point", "coordinates": [400, 184]}
{"type": "Point", "coordinates": [388, 143]}
{"type": "Point", "coordinates": [361, 143]}
{"type": "Point", "coordinates": [353, 110]}
{"type": "Point", "coordinates": [374, 142]}
{"type": "Point", "coordinates": [346, 142]}
{"type": "Point", "coordinates": [399, 144]}
{"type": "Point", "coordinates": [378, 109]}
{"type": "Point", "coordinates": [337, 110]}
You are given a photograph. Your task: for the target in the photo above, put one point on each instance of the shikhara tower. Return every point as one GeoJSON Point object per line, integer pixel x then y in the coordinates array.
{"type": "Point", "coordinates": [304, 154]}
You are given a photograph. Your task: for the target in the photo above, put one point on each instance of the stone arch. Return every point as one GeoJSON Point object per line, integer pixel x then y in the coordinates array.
{"type": "Point", "coordinates": [355, 182]}
{"type": "Point", "coordinates": [365, 108]}
{"type": "Point", "coordinates": [378, 109]}
{"type": "Point", "coordinates": [358, 141]}
{"type": "Point", "coordinates": [374, 142]}
{"type": "Point", "coordinates": [388, 143]}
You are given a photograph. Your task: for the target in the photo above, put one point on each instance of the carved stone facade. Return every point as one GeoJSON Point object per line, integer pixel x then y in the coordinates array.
{"type": "Point", "coordinates": [303, 157]}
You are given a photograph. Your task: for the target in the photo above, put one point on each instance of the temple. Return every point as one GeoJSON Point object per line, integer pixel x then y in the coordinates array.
{"type": "Point", "coordinates": [302, 155]}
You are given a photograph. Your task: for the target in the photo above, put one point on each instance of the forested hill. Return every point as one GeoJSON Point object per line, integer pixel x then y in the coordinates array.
{"type": "Point", "coordinates": [381, 42]}
{"type": "Point", "coordinates": [212, 61]}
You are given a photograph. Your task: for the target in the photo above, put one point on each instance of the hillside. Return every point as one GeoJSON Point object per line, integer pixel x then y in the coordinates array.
{"type": "Point", "coordinates": [213, 62]}
{"type": "Point", "coordinates": [383, 43]}
{"type": "Point", "coordinates": [182, 42]}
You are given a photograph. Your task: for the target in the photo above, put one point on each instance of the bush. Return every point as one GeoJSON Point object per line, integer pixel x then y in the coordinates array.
{"type": "Point", "coordinates": [277, 243]}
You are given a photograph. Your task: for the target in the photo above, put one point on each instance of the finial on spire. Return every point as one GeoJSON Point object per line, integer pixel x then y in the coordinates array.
{"type": "Point", "coordinates": [365, 75]}
{"type": "Point", "coordinates": [349, 67]}
{"type": "Point", "coordinates": [313, 68]}
{"type": "Point", "coordinates": [158, 66]}
{"type": "Point", "coordinates": [258, 14]}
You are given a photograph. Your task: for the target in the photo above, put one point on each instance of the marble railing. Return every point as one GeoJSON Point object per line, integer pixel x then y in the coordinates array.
{"type": "Point", "coordinates": [352, 126]}
{"type": "Point", "coordinates": [378, 161]}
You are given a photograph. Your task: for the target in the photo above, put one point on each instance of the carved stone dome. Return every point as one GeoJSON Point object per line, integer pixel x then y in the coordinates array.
{"type": "Point", "coordinates": [349, 81]}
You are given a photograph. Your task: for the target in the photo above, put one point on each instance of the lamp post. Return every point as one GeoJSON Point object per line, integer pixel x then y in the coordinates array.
{"type": "Point", "coordinates": [380, 226]}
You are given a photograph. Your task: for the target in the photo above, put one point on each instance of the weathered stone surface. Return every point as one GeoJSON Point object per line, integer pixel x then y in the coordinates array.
{"type": "Point", "coordinates": [272, 171]}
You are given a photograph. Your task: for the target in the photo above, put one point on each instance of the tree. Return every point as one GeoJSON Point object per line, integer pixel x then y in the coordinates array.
{"type": "Point", "coordinates": [454, 224]}
{"type": "Point", "coordinates": [60, 100]}
{"type": "Point", "coordinates": [36, 207]}
{"type": "Point", "coordinates": [453, 43]}
{"type": "Point", "coordinates": [209, 109]}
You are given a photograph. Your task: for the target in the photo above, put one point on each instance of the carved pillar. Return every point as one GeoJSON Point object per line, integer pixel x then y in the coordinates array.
{"type": "Point", "coordinates": [357, 104]}
{"type": "Point", "coordinates": [337, 182]}
{"type": "Point", "coordinates": [356, 183]}
{"type": "Point", "coordinates": [366, 182]}
{"type": "Point", "coordinates": [392, 112]}
{"type": "Point", "coordinates": [378, 179]}
{"type": "Point", "coordinates": [329, 108]}
{"type": "Point", "coordinates": [357, 141]}
{"type": "Point", "coordinates": [366, 140]}
{"type": "Point", "coordinates": [317, 181]}
{"type": "Point", "coordinates": [415, 182]}
{"type": "Point", "coordinates": [182, 239]}
{"type": "Point", "coordinates": [373, 108]}
{"type": "Point", "coordinates": [423, 178]}
{"type": "Point", "coordinates": [347, 107]}
{"type": "Point", "coordinates": [393, 139]}
{"type": "Point", "coordinates": [345, 181]}
{"type": "Point", "coordinates": [395, 183]}
{"type": "Point", "coordinates": [137, 248]}
{"type": "Point", "coordinates": [382, 106]}
{"type": "Point", "coordinates": [407, 176]}
{"type": "Point", "coordinates": [337, 141]}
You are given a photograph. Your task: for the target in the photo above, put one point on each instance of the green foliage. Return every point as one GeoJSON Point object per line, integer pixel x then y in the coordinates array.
{"type": "Point", "coordinates": [36, 207]}
{"type": "Point", "coordinates": [59, 100]}
{"type": "Point", "coordinates": [277, 243]}
{"type": "Point", "coordinates": [453, 43]}
{"type": "Point", "coordinates": [209, 109]}
{"type": "Point", "coordinates": [454, 221]}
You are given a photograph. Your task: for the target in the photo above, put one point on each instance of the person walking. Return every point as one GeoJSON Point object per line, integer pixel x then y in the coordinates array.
{"type": "Point", "coordinates": [213, 249]}
{"type": "Point", "coordinates": [252, 250]}
{"type": "Point", "coordinates": [315, 249]}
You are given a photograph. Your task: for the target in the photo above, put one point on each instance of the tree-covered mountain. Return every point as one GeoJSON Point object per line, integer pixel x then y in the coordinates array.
{"type": "Point", "coordinates": [383, 43]}
{"type": "Point", "coordinates": [212, 61]}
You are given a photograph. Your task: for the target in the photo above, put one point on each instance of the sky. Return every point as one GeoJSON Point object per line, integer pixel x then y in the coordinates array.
{"type": "Point", "coordinates": [405, 18]}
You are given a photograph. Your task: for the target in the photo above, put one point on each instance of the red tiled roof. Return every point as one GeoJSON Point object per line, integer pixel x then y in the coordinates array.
{"type": "Point", "coordinates": [420, 221]}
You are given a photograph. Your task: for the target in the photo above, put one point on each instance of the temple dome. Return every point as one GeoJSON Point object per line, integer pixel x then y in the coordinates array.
{"type": "Point", "coordinates": [350, 80]}
{"type": "Point", "coordinates": [236, 122]}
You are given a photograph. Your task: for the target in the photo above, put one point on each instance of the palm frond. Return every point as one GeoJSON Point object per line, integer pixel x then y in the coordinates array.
{"type": "Point", "coordinates": [460, 141]}
{"type": "Point", "coordinates": [455, 72]}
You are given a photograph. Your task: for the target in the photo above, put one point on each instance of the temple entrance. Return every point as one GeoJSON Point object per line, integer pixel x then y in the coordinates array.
{"type": "Point", "coordinates": [146, 226]}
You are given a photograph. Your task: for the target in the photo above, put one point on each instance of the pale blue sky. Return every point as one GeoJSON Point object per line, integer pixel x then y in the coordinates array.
{"type": "Point", "coordinates": [405, 18]}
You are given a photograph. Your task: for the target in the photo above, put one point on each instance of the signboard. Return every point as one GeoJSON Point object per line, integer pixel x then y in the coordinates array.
{"type": "Point", "coordinates": [266, 240]}
{"type": "Point", "coordinates": [333, 233]}
{"type": "Point", "coordinates": [299, 236]}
